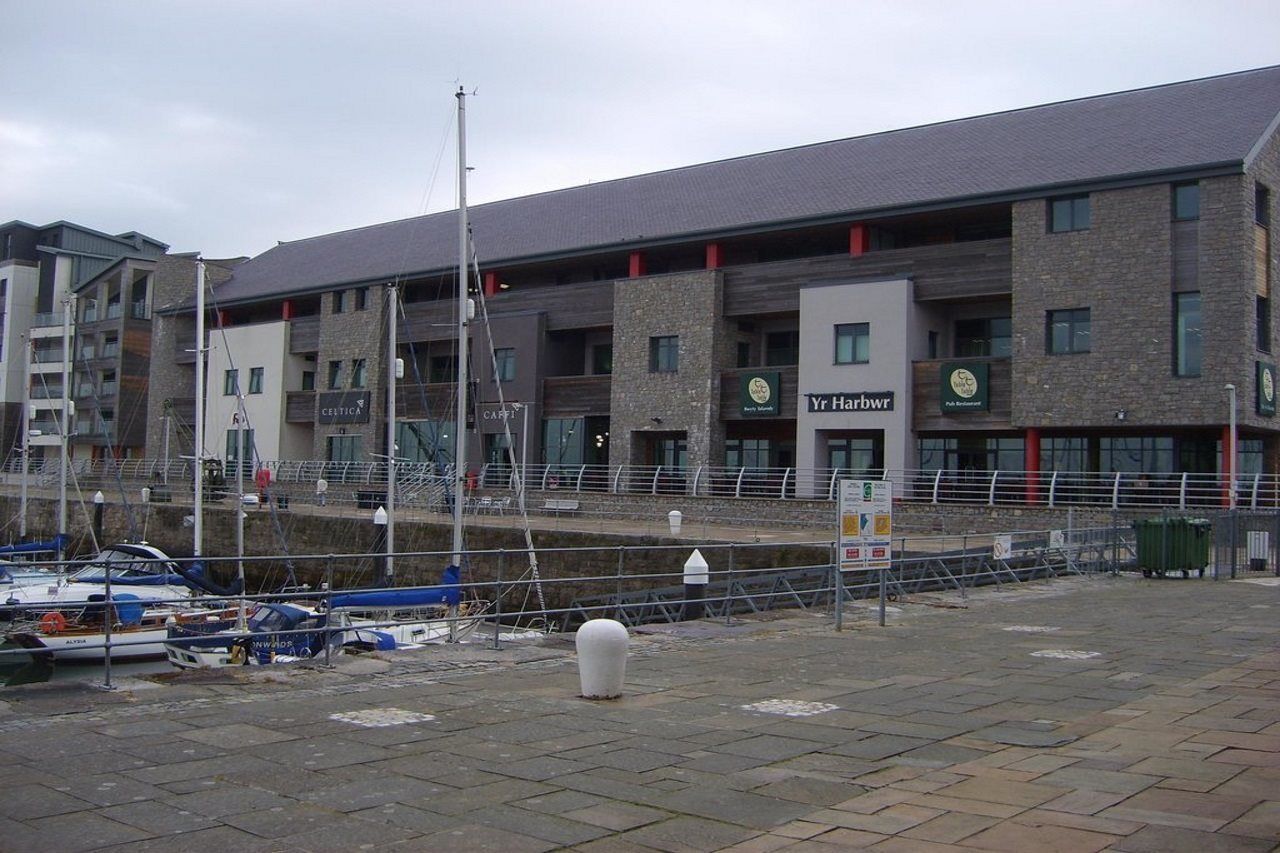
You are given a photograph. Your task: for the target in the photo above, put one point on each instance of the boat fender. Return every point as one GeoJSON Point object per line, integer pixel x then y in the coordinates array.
{"type": "Point", "coordinates": [53, 623]}
{"type": "Point", "coordinates": [239, 654]}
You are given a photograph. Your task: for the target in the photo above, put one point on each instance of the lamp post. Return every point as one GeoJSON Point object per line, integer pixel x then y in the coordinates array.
{"type": "Point", "coordinates": [380, 542]}
{"type": "Point", "coordinates": [523, 408]}
{"type": "Point", "coordinates": [1229, 466]}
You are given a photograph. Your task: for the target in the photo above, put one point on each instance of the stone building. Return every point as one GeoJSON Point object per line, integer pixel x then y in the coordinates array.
{"type": "Point", "coordinates": [1060, 289]}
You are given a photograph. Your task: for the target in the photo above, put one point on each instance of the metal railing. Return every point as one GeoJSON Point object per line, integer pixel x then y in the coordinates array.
{"type": "Point", "coordinates": [1101, 490]}
{"type": "Point", "coordinates": [636, 584]}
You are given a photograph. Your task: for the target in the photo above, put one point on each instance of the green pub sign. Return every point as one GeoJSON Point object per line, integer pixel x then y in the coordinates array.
{"type": "Point", "coordinates": [964, 387]}
{"type": "Point", "coordinates": [1266, 388]}
{"type": "Point", "coordinates": [759, 395]}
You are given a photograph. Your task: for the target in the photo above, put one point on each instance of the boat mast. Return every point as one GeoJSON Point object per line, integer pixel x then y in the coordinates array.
{"type": "Point", "coordinates": [65, 425]}
{"type": "Point", "coordinates": [389, 566]}
{"type": "Point", "coordinates": [460, 428]}
{"type": "Point", "coordinates": [198, 452]}
{"type": "Point", "coordinates": [26, 435]}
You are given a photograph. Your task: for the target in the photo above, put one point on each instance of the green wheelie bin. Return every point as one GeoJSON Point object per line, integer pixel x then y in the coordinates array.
{"type": "Point", "coordinates": [1172, 543]}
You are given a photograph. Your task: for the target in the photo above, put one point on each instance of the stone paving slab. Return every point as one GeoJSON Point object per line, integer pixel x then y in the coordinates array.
{"type": "Point", "coordinates": [941, 731]}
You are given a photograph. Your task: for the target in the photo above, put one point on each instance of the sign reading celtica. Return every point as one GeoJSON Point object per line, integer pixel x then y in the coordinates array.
{"type": "Point", "coordinates": [759, 395]}
{"type": "Point", "coordinates": [1266, 388]}
{"type": "Point", "coordinates": [851, 401]}
{"type": "Point", "coordinates": [964, 387]}
{"type": "Point", "coordinates": [344, 407]}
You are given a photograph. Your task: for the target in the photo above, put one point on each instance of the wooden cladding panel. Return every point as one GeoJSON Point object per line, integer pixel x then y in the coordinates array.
{"type": "Point", "coordinates": [1186, 255]}
{"type": "Point", "coordinates": [926, 403]}
{"type": "Point", "coordinates": [731, 392]}
{"type": "Point", "coordinates": [304, 335]}
{"type": "Point", "coordinates": [300, 407]}
{"type": "Point", "coordinates": [569, 396]}
{"type": "Point", "coordinates": [435, 400]}
{"type": "Point", "coordinates": [950, 271]}
{"type": "Point", "coordinates": [570, 306]}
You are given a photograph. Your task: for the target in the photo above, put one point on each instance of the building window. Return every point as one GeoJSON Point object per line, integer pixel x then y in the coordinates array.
{"type": "Point", "coordinates": [246, 445]}
{"type": "Point", "coordinates": [335, 375]}
{"type": "Point", "coordinates": [781, 348]}
{"type": "Point", "coordinates": [990, 336]}
{"type": "Point", "coordinates": [255, 380]}
{"type": "Point", "coordinates": [1262, 308]}
{"type": "Point", "coordinates": [933, 344]}
{"type": "Point", "coordinates": [362, 298]}
{"type": "Point", "coordinates": [1186, 201]}
{"type": "Point", "coordinates": [857, 456]}
{"type": "Point", "coordinates": [1186, 334]}
{"type": "Point", "coordinates": [110, 346]}
{"type": "Point", "coordinates": [339, 301]}
{"type": "Point", "coordinates": [308, 380]}
{"type": "Point", "coordinates": [357, 373]}
{"type": "Point", "coordinates": [1069, 214]}
{"type": "Point", "coordinates": [230, 382]}
{"type": "Point", "coordinates": [344, 448]}
{"type": "Point", "coordinates": [1067, 331]}
{"type": "Point", "coordinates": [853, 343]}
{"type": "Point", "coordinates": [664, 354]}
{"type": "Point", "coordinates": [505, 359]}
{"type": "Point", "coordinates": [744, 353]}
{"type": "Point", "coordinates": [602, 359]}
{"type": "Point", "coordinates": [1261, 205]}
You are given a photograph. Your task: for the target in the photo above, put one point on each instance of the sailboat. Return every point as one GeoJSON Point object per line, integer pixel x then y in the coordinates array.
{"type": "Point", "coordinates": [86, 612]}
{"type": "Point", "coordinates": [380, 619]}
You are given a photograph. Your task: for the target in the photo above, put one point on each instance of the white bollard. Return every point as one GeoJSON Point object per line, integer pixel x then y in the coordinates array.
{"type": "Point", "coordinates": [675, 518]}
{"type": "Point", "coordinates": [602, 658]}
{"type": "Point", "coordinates": [696, 577]}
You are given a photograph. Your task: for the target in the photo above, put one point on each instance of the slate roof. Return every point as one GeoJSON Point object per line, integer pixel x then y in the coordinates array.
{"type": "Point", "coordinates": [1191, 128]}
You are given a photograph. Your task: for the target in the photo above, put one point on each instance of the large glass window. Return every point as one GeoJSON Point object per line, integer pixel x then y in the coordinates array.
{"type": "Point", "coordinates": [344, 448]}
{"type": "Point", "coordinates": [602, 359]}
{"type": "Point", "coordinates": [339, 301]}
{"type": "Point", "coordinates": [746, 453]}
{"type": "Point", "coordinates": [1066, 454]}
{"type": "Point", "coordinates": [1067, 331]}
{"type": "Point", "coordinates": [425, 441]}
{"type": "Point", "coordinates": [335, 375]}
{"type": "Point", "coordinates": [853, 343]}
{"type": "Point", "coordinates": [1262, 322]}
{"type": "Point", "coordinates": [246, 450]}
{"type": "Point", "coordinates": [664, 354]}
{"type": "Point", "coordinates": [358, 379]}
{"type": "Point", "coordinates": [672, 453]}
{"type": "Point", "coordinates": [562, 441]}
{"type": "Point", "coordinates": [255, 380]}
{"type": "Point", "coordinates": [854, 456]}
{"type": "Point", "coordinates": [988, 336]}
{"type": "Point", "coordinates": [1151, 454]}
{"type": "Point", "coordinates": [1261, 205]}
{"type": "Point", "coordinates": [308, 380]}
{"type": "Point", "coordinates": [1186, 334]}
{"type": "Point", "coordinates": [505, 358]}
{"type": "Point", "coordinates": [781, 348]}
{"type": "Point", "coordinates": [230, 382]}
{"type": "Point", "coordinates": [1186, 201]}
{"type": "Point", "coordinates": [1070, 213]}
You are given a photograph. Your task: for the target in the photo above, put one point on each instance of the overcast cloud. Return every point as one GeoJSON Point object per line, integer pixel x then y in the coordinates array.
{"type": "Point", "coordinates": [224, 126]}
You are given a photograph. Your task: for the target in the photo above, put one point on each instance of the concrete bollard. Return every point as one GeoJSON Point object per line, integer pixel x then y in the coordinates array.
{"type": "Point", "coordinates": [695, 586]}
{"type": "Point", "coordinates": [675, 518]}
{"type": "Point", "coordinates": [602, 658]}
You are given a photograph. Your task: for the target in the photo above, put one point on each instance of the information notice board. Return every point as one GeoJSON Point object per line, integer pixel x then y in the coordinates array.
{"type": "Point", "coordinates": [866, 524]}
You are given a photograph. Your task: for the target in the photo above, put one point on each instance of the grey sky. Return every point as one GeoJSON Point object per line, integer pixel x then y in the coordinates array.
{"type": "Point", "coordinates": [226, 125]}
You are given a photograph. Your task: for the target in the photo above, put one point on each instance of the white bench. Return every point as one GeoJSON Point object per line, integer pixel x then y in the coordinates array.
{"type": "Point", "coordinates": [559, 505]}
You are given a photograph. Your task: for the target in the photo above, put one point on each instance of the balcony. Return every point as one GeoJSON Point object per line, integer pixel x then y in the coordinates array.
{"type": "Point", "coordinates": [425, 399]}
{"type": "Point", "coordinates": [304, 335]}
{"type": "Point", "coordinates": [926, 403]}
{"type": "Point", "coordinates": [570, 396]}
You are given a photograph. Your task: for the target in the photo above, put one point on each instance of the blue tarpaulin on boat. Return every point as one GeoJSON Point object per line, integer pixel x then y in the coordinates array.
{"type": "Point", "coordinates": [449, 592]}
{"type": "Point", "coordinates": [54, 544]}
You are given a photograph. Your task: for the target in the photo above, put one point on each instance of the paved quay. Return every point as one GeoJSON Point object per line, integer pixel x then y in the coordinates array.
{"type": "Point", "coordinates": [1081, 714]}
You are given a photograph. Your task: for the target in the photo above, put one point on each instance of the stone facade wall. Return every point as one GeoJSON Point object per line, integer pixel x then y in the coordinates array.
{"type": "Point", "coordinates": [344, 337]}
{"type": "Point", "coordinates": [1265, 170]}
{"type": "Point", "coordinates": [689, 305]}
{"type": "Point", "coordinates": [1121, 269]}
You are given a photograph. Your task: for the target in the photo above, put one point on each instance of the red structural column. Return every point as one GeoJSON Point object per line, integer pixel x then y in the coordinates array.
{"type": "Point", "coordinates": [715, 256]}
{"type": "Point", "coordinates": [223, 320]}
{"type": "Point", "coordinates": [1031, 461]}
{"type": "Point", "coordinates": [286, 310]}
{"type": "Point", "coordinates": [490, 283]}
{"type": "Point", "coordinates": [1228, 467]}
{"type": "Point", "coordinates": [636, 267]}
{"type": "Point", "coordinates": [859, 240]}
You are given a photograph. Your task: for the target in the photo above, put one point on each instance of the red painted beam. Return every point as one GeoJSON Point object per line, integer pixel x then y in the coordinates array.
{"type": "Point", "coordinates": [286, 310]}
{"type": "Point", "coordinates": [490, 283]}
{"type": "Point", "coordinates": [1031, 462]}
{"type": "Point", "coordinates": [715, 256]}
{"type": "Point", "coordinates": [636, 267]}
{"type": "Point", "coordinates": [859, 240]}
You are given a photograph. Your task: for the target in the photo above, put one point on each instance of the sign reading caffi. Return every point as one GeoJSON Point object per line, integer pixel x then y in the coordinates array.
{"type": "Point", "coordinates": [1266, 388]}
{"type": "Point", "coordinates": [759, 395]}
{"type": "Point", "coordinates": [964, 387]}
{"type": "Point", "coordinates": [344, 407]}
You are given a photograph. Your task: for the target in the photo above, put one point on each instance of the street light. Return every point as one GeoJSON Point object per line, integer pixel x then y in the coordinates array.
{"type": "Point", "coordinates": [1230, 466]}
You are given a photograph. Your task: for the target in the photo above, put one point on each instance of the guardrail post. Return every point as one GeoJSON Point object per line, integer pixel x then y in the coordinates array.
{"type": "Point", "coordinates": [1115, 492]}
{"type": "Point", "coordinates": [991, 493]}
{"type": "Point", "coordinates": [837, 579]}
{"type": "Point", "coordinates": [937, 484]}
{"type": "Point", "coordinates": [1182, 491]}
{"type": "Point", "coordinates": [108, 615]}
{"type": "Point", "coordinates": [497, 601]}
{"type": "Point", "coordinates": [622, 556]}
{"type": "Point", "coordinates": [728, 592]}
{"type": "Point", "coordinates": [786, 475]}
{"type": "Point", "coordinates": [328, 610]}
